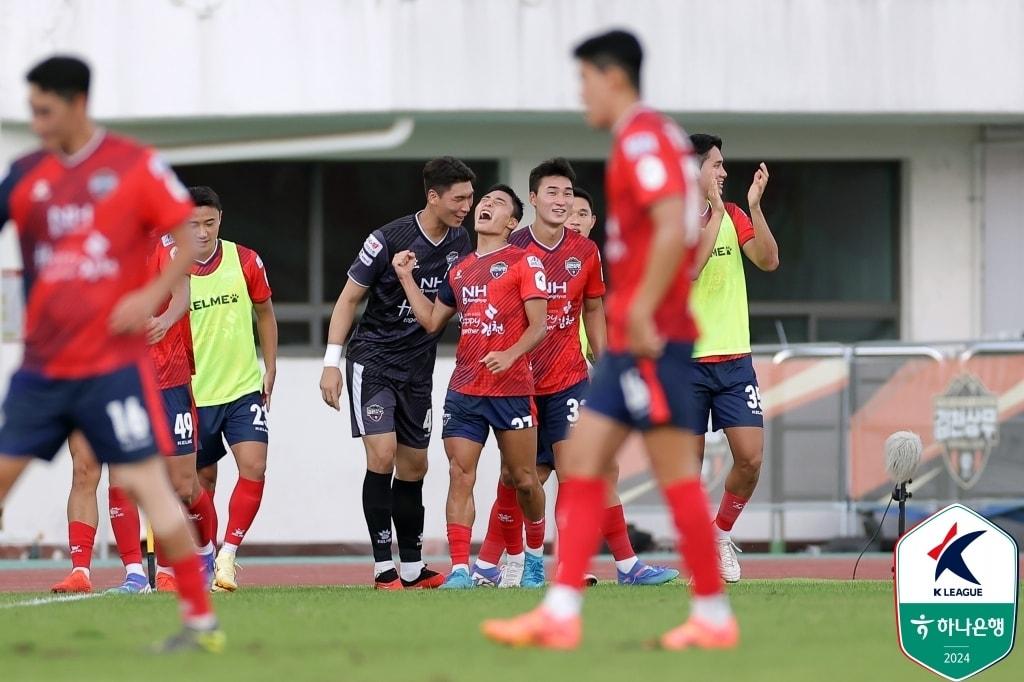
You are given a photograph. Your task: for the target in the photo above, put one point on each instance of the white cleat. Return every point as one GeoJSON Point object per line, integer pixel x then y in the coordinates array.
{"type": "Point", "coordinates": [512, 575]}
{"type": "Point", "coordinates": [728, 562]}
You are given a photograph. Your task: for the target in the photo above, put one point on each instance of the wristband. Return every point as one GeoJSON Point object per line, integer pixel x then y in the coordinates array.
{"type": "Point", "coordinates": [332, 358]}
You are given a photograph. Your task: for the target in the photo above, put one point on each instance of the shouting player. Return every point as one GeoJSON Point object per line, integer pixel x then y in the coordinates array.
{"type": "Point", "coordinates": [500, 293]}
{"type": "Point", "coordinates": [391, 367]}
{"type": "Point", "coordinates": [642, 382]}
{"type": "Point", "coordinates": [88, 207]}
{"type": "Point", "coordinates": [725, 386]}
{"type": "Point", "coordinates": [229, 283]}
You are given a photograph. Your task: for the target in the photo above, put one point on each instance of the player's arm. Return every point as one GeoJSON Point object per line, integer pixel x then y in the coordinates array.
{"type": "Point", "coordinates": [432, 315]}
{"type": "Point", "coordinates": [342, 317]}
{"type": "Point", "coordinates": [266, 328]}
{"type": "Point", "coordinates": [595, 325]}
{"type": "Point", "coordinates": [668, 246]}
{"type": "Point", "coordinates": [176, 309]}
{"type": "Point", "coordinates": [498, 361]}
{"type": "Point", "coordinates": [762, 250]}
{"type": "Point", "coordinates": [709, 235]}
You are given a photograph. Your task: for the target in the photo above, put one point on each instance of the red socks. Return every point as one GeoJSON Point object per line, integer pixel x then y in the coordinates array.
{"type": "Point", "coordinates": [729, 510]}
{"type": "Point", "coordinates": [510, 515]}
{"type": "Point", "coordinates": [616, 534]}
{"type": "Point", "coordinates": [459, 538]}
{"type": "Point", "coordinates": [689, 505]}
{"type": "Point", "coordinates": [204, 516]}
{"type": "Point", "coordinates": [535, 535]}
{"type": "Point", "coordinates": [579, 528]}
{"type": "Point", "coordinates": [193, 592]}
{"type": "Point", "coordinates": [494, 541]}
{"type": "Point", "coordinates": [245, 502]}
{"type": "Point", "coordinates": [124, 521]}
{"type": "Point", "coordinates": [81, 537]}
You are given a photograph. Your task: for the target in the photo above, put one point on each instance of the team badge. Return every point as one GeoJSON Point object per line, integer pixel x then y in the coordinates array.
{"type": "Point", "coordinates": [102, 182]}
{"type": "Point", "coordinates": [967, 426]}
{"type": "Point", "coordinates": [41, 190]}
{"type": "Point", "coordinates": [573, 266]}
{"type": "Point", "coordinates": [375, 413]}
{"type": "Point", "coordinates": [498, 269]}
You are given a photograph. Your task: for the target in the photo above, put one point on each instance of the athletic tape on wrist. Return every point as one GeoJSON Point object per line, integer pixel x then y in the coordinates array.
{"type": "Point", "coordinates": [332, 357]}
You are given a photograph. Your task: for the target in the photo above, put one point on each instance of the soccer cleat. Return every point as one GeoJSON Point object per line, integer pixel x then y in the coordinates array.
{"type": "Point", "coordinates": [486, 577]}
{"type": "Point", "coordinates": [209, 567]}
{"type": "Point", "coordinates": [76, 583]}
{"type": "Point", "coordinates": [387, 581]}
{"type": "Point", "coordinates": [224, 569]}
{"type": "Point", "coordinates": [512, 575]}
{"type": "Point", "coordinates": [458, 580]}
{"type": "Point", "coordinates": [211, 641]}
{"type": "Point", "coordinates": [428, 580]}
{"type": "Point", "coordinates": [165, 582]}
{"type": "Point", "coordinates": [533, 571]}
{"type": "Point", "coordinates": [538, 628]}
{"type": "Point", "coordinates": [728, 562]}
{"type": "Point", "coordinates": [699, 634]}
{"type": "Point", "coordinates": [134, 583]}
{"type": "Point", "coordinates": [589, 579]}
{"type": "Point", "coordinates": [643, 574]}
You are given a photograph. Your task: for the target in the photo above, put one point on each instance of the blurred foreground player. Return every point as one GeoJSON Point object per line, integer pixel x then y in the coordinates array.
{"type": "Point", "coordinates": [642, 382]}
{"type": "Point", "coordinates": [88, 207]}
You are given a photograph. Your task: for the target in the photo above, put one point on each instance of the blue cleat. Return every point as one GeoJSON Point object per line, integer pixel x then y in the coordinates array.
{"type": "Point", "coordinates": [209, 567]}
{"type": "Point", "coordinates": [642, 574]}
{"type": "Point", "coordinates": [486, 577]}
{"type": "Point", "coordinates": [458, 580]}
{"type": "Point", "coordinates": [533, 572]}
{"type": "Point", "coordinates": [134, 583]}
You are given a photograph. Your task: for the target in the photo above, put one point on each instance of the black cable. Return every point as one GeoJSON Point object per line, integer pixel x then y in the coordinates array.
{"type": "Point", "coordinates": [872, 539]}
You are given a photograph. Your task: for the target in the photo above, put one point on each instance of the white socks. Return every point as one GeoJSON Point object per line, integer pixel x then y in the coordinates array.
{"type": "Point", "coordinates": [229, 549]}
{"type": "Point", "coordinates": [382, 567]}
{"type": "Point", "coordinates": [714, 610]}
{"type": "Point", "coordinates": [411, 570]}
{"type": "Point", "coordinates": [133, 569]}
{"type": "Point", "coordinates": [563, 602]}
{"type": "Point", "coordinates": [626, 565]}
{"type": "Point", "coordinates": [517, 558]}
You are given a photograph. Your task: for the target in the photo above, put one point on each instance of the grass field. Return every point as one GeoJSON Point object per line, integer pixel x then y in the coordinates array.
{"type": "Point", "coordinates": [792, 630]}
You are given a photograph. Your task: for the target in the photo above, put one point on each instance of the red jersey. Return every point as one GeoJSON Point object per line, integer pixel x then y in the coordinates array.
{"type": "Point", "coordinates": [256, 280]}
{"type": "Point", "coordinates": [489, 292]}
{"type": "Point", "coordinates": [573, 271]}
{"type": "Point", "coordinates": [651, 160]}
{"type": "Point", "coordinates": [86, 225]}
{"type": "Point", "coordinates": [172, 356]}
{"type": "Point", "coordinates": [740, 220]}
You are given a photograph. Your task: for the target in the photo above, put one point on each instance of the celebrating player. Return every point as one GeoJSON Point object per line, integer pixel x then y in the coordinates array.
{"type": "Point", "coordinates": [229, 282]}
{"type": "Point", "coordinates": [725, 385]}
{"type": "Point", "coordinates": [391, 367]}
{"type": "Point", "coordinates": [500, 292]}
{"type": "Point", "coordinates": [642, 381]}
{"type": "Point", "coordinates": [87, 206]}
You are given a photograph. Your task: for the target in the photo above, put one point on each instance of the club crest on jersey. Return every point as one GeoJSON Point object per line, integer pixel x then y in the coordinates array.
{"type": "Point", "coordinates": [451, 258]}
{"type": "Point", "coordinates": [102, 182]}
{"type": "Point", "coordinates": [41, 190]}
{"type": "Point", "coordinates": [573, 266]}
{"type": "Point", "coordinates": [499, 269]}
{"type": "Point", "coordinates": [375, 413]}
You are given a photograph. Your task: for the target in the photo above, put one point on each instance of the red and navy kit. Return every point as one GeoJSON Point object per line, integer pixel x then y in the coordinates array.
{"type": "Point", "coordinates": [86, 224]}
{"type": "Point", "coordinates": [651, 161]}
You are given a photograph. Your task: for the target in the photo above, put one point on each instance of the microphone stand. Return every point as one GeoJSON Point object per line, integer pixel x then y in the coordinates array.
{"type": "Point", "coordinates": [900, 495]}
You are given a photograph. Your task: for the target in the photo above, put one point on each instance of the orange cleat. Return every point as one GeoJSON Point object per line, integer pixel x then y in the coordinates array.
{"type": "Point", "coordinates": [76, 583]}
{"type": "Point", "coordinates": [165, 582]}
{"type": "Point", "coordinates": [699, 634]}
{"type": "Point", "coordinates": [427, 580]}
{"type": "Point", "coordinates": [388, 581]}
{"type": "Point", "coordinates": [538, 628]}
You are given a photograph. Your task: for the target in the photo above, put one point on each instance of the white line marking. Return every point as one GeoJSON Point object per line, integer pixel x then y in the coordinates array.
{"type": "Point", "coordinates": [42, 601]}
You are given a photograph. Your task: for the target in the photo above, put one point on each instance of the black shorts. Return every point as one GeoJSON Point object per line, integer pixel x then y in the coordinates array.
{"type": "Point", "coordinates": [378, 405]}
{"type": "Point", "coordinates": [728, 393]}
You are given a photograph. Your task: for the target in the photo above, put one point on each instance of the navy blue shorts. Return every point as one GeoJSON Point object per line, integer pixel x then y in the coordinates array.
{"type": "Point", "coordinates": [381, 405]}
{"type": "Point", "coordinates": [644, 394]}
{"type": "Point", "coordinates": [727, 392]}
{"type": "Point", "coordinates": [119, 413]}
{"type": "Point", "coordinates": [471, 416]}
{"type": "Point", "coordinates": [243, 419]}
{"type": "Point", "coordinates": [180, 411]}
{"type": "Point", "coordinates": [557, 412]}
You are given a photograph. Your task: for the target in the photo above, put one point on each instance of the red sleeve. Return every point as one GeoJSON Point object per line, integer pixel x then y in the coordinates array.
{"type": "Point", "coordinates": [532, 281]}
{"type": "Point", "coordinates": [744, 228]}
{"type": "Point", "coordinates": [595, 278]}
{"type": "Point", "coordinates": [255, 275]}
{"type": "Point", "coordinates": [653, 166]}
{"type": "Point", "coordinates": [165, 201]}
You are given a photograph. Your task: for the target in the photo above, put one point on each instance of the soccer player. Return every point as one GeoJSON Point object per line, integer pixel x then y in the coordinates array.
{"type": "Point", "coordinates": [642, 381]}
{"type": "Point", "coordinates": [228, 283]}
{"type": "Point", "coordinates": [500, 293]}
{"type": "Point", "coordinates": [390, 367]}
{"type": "Point", "coordinates": [583, 215]}
{"type": "Point", "coordinates": [87, 206]}
{"type": "Point", "coordinates": [576, 288]}
{"type": "Point", "coordinates": [726, 387]}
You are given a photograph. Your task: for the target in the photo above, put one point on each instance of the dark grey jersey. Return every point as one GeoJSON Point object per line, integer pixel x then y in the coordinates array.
{"type": "Point", "coordinates": [388, 340]}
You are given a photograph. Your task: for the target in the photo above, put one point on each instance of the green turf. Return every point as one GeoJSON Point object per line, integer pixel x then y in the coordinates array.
{"type": "Point", "coordinates": [819, 631]}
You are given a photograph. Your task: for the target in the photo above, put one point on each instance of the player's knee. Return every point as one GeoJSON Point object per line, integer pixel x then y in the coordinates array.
{"type": "Point", "coordinates": [459, 478]}
{"type": "Point", "coordinates": [380, 460]}
{"type": "Point", "coordinates": [749, 464]}
{"type": "Point", "coordinates": [411, 468]}
{"type": "Point", "coordinates": [85, 475]}
{"type": "Point", "coordinates": [525, 480]}
{"type": "Point", "coordinates": [254, 470]}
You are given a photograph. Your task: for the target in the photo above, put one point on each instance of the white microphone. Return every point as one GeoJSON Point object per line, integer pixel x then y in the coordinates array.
{"type": "Point", "coordinates": [902, 455]}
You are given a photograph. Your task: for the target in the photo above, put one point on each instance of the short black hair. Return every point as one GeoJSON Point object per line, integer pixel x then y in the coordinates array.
{"type": "Point", "coordinates": [552, 167]}
{"type": "Point", "coordinates": [703, 144]}
{"type": "Point", "coordinates": [441, 173]}
{"type": "Point", "coordinates": [584, 194]}
{"type": "Point", "coordinates": [614, 48]}
{"type": "Point", "coordinates": [205, 196]}
{"type": "Point", "coordinates": [61, 74]}
{"type": "Point", "coordinates": [517, 203]}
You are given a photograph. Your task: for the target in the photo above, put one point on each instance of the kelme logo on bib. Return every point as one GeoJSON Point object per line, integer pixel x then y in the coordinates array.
{"type": "Point", "coordinates": [956, 593]}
